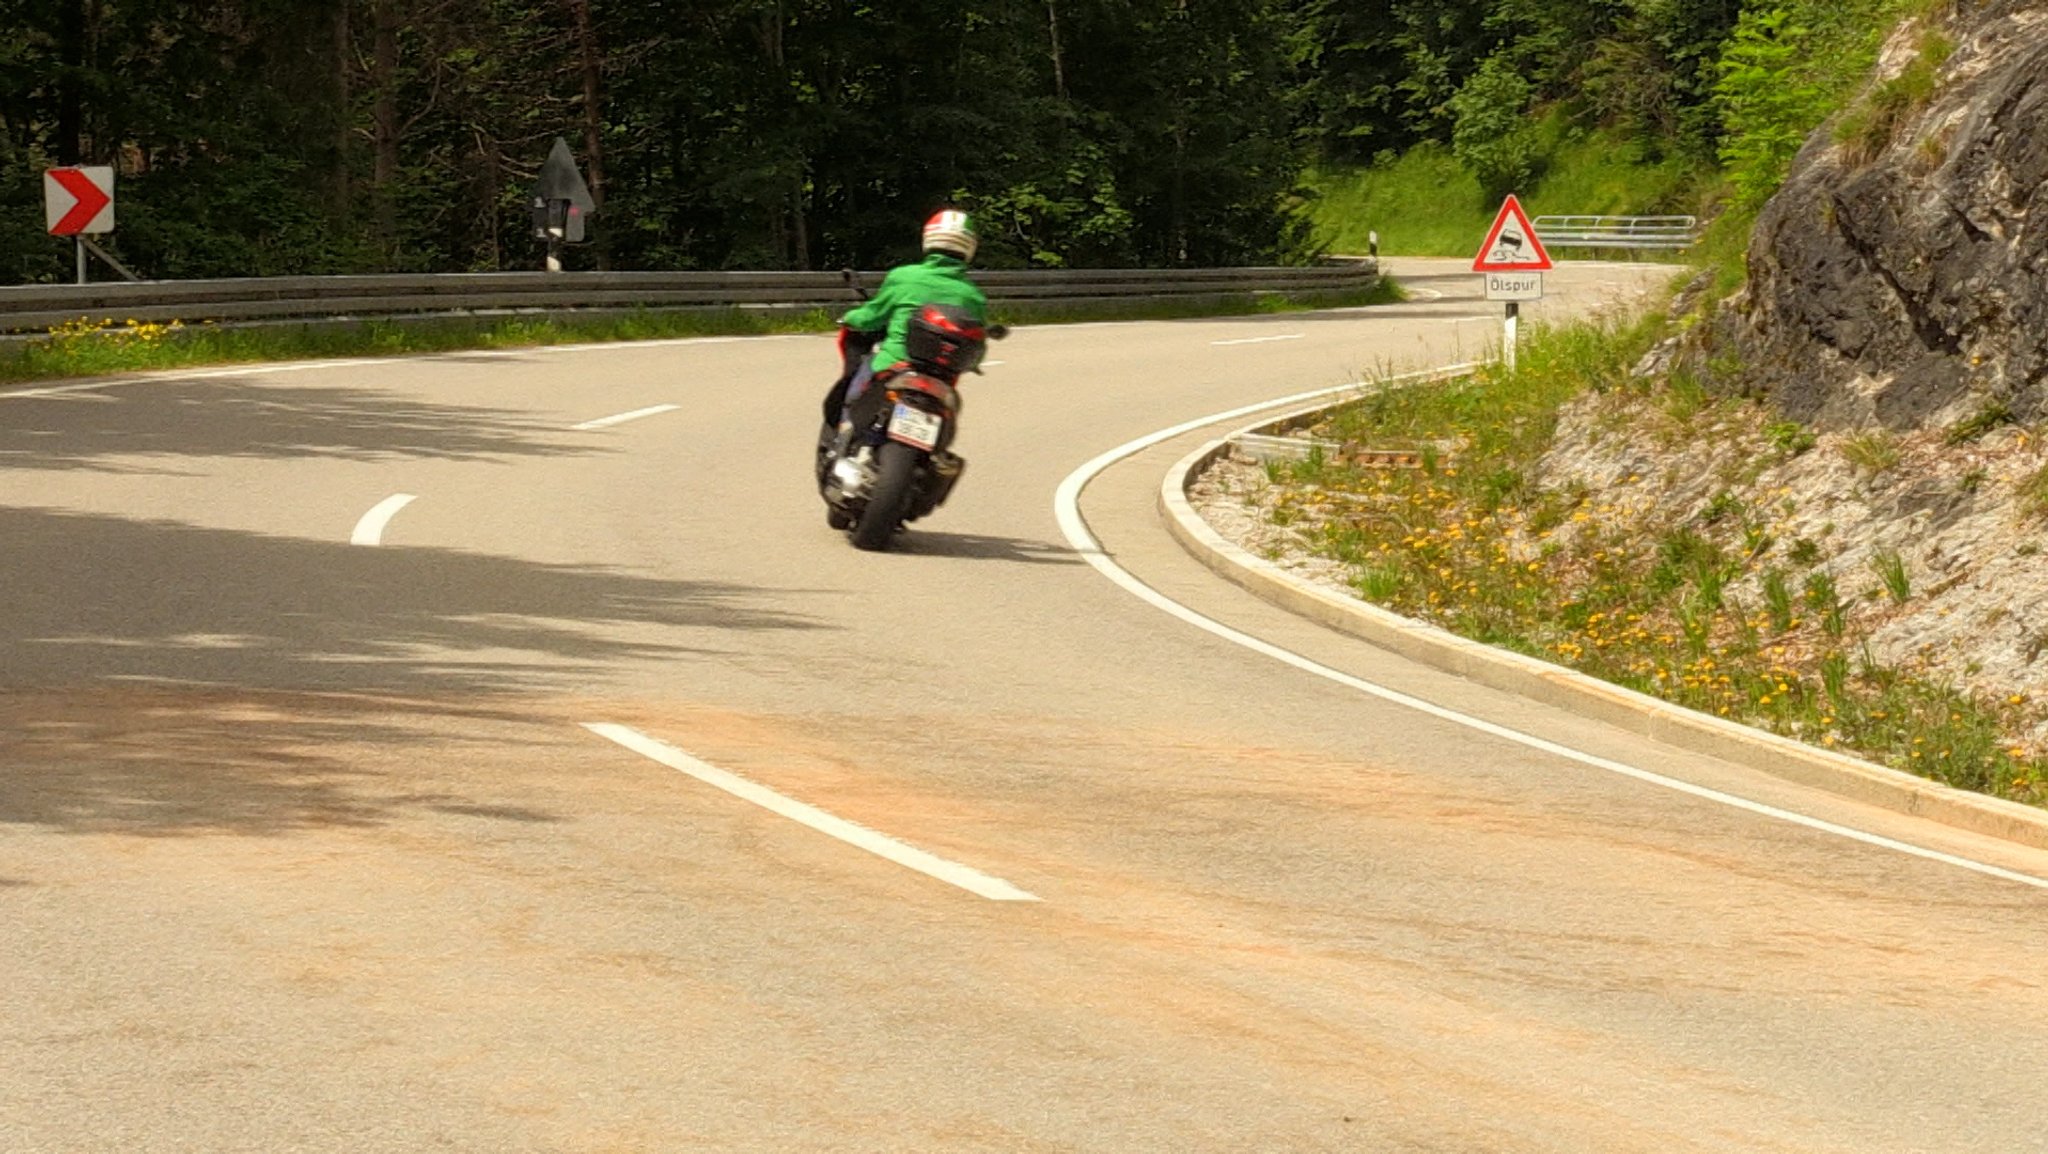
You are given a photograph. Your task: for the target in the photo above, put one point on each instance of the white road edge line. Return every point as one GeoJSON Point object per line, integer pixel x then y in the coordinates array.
{"type": "Point", "coordinates": [1260, 340]}
{"type": "Point", "coordinates": [370, 530]}
{"type": "Point", "coordinates": [57, 391]}
{"type": "Point", "coordinates": [1067, 508]}
{"type": "Point", "coordinates": [622, 418]}
{"type": "Point", "coordinates": [881, 845]}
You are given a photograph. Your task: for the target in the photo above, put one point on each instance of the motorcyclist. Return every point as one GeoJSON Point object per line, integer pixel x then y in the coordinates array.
{"type": "Point", "coordinates": [871, 336]}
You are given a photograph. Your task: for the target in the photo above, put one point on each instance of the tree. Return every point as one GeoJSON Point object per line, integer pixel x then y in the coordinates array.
{"type": "Point", "coordinates": [1493, 136]}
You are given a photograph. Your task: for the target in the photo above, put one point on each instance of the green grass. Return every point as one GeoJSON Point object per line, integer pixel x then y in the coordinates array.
{"type": "Point", "coordinates": [1891, 573]}
{"type": "Point", "coordinates": [96, 348]}
{"type": "Point", "coordinates": [1869, 126]}
{"type": "Point", "coordinates": [1426, 204]}
{"type": "Point", "coordinates": [2033, 492]}
{"type": "Point", "coordinates": [1872, 451]}
{"type": "Point", "coordinates": [89, 348]}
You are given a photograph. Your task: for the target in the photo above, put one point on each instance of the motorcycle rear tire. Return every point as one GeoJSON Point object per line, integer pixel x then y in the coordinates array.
{"type": "Point", "coordinates": [895, 477]}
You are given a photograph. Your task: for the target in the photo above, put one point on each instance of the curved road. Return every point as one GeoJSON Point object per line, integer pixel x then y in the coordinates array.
{"type": "Point", "coordinates": [476, 752]}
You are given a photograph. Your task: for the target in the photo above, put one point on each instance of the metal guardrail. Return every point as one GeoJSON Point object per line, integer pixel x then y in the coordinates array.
{"type": "Point", "coordinates": [27, 308]}
{"type": "Point", "coordinates": [1673, 232]}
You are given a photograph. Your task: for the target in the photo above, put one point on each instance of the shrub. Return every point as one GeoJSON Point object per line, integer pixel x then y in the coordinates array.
{"type": "Point", "coordinates": [1493, 136]}
{"type": "Point", "coordinates": [1767, 103]}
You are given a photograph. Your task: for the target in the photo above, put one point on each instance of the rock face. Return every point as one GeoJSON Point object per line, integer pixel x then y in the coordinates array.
{"type": "Point", "coordinates": [1909, 288]}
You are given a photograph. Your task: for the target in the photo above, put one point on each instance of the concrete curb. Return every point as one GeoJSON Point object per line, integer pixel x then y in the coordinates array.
{"type": "Point", "coordinates": [1577, 692]}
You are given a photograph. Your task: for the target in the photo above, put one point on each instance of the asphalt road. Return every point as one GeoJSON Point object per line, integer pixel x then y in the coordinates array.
{"type": "Point", "coordinates": [308, 844]}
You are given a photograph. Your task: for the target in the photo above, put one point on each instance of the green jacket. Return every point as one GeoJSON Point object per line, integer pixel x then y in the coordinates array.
{"type": "Point", "coordinates": [938, 279]}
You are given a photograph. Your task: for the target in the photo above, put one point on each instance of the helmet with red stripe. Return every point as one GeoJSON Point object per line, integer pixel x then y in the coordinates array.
{"type": "Point", "coordinates": [950, 231]}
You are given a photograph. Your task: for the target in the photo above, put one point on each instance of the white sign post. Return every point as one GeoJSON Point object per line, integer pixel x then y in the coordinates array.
{"type": "Point", "coordinates": [1513, 262]}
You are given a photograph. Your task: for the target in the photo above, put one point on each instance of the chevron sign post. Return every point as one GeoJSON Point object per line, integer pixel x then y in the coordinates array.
{"type": "Point", "coordinates": [77, 201]}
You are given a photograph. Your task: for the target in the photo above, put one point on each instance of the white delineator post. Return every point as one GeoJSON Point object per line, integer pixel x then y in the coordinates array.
{"type": "Point", "coordinates": [1513, 288]}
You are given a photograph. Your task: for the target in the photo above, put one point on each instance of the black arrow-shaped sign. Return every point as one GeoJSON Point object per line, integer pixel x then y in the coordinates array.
{"type": "Point", "coordinates": [560, 180]}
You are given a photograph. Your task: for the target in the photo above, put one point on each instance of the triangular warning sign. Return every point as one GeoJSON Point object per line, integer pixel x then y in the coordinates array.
{"type": "Point", "coordinates": [1511, 245]}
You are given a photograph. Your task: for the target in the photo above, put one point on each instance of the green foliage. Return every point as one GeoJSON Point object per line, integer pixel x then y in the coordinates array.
{"type": "Point", "coordinates": [260, 137]}
{"type": "Point", "coordinates": [1768, 105]}
{"type": "Point", "coordinates": [1425, 203]}
{"type": "Point", "coordinates": [1790, 437]}
{"type": "Point", "coordinates": [1786, 68]}
{"type": "Point", "coordinates": [1076, 218]}
{"type": "Point", "coordinates": [300, 136]}
{"type": "Point", "coordinates": [1493, 137]}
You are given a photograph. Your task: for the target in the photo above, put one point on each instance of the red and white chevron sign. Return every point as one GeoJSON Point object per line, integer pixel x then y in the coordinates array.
{"type": "Point", "coordinates": [77, 200]}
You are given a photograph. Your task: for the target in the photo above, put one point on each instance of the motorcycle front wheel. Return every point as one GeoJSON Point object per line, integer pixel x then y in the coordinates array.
{"type": "Point", "coordinates": [895, 477]}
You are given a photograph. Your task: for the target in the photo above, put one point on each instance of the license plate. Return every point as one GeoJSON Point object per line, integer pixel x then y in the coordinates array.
{"type": "Point", "coordinates": [916, 427]}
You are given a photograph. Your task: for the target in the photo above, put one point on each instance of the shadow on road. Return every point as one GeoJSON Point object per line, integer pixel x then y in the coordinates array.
{"type": "Point", "coordinates": [92, 430]}
{"type": "Point", "coordinates": [160, 760]}
{"type": "Point", "coordinates": [916, 543]}
{"type": "Point", "coordinates": [157, 677]}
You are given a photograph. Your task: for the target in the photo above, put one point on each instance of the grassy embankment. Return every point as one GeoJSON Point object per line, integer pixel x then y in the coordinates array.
{"type": "Point", "coordinates": [94, 348]}
{"type": "Point", "coordinates": [1727, 611]}
{"type": "Point", "coordinates": [1425, 204]}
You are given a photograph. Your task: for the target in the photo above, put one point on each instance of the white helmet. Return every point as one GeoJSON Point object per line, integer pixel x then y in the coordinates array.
{"type": "Point", "coordinates": [950, 231]}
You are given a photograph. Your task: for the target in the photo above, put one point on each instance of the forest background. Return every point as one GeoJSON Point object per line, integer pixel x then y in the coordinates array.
{"type": "Point", "coordinates": [268, 137]}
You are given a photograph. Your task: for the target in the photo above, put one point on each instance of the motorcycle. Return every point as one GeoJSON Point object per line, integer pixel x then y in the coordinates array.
{"type": "Point", "coordinates": [895, 464]}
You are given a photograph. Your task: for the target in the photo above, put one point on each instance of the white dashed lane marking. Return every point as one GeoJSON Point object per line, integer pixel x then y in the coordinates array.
{"type": "Point", "coordinates": [622, 418]}
{"type": "Point", "coordinates": [881, 845]}
{"type": "Point", "coordinates": [1260, 340]}
{"type": "Point", "coordinates": [370, 530]}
